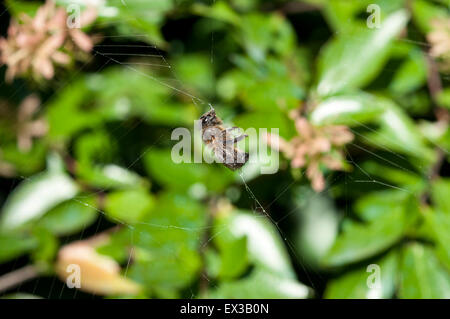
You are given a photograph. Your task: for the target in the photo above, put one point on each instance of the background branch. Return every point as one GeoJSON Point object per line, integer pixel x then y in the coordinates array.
{"type": "Point", "coordinates": [16, 277]}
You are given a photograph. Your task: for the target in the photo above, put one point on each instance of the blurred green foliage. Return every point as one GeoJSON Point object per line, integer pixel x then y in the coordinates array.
{"type": "Point", "coordinates": [105, 160]}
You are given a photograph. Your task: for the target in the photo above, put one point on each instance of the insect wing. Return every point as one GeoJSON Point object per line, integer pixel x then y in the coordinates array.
{"type": "Point", "coordinates": [230, 156]}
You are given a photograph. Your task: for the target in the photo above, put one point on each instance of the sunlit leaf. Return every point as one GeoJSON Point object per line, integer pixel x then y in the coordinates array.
{"type": "Point", "coordinates": [110, 176]}
{"type": "Point", "coordinates": [376, 204]}
{"type": "Point", "coordinates": [261, 284]}
{"type": "Point", "coordinates": [35, 196]}
{"type": "Point", "coordinates": [356, 284]}
{"type": "Point", "coordinates": [362, 240]}
{"type": "Point", "coordinates": [399, 133]}
{"type": "Point", "coordinates": [265, 245]}
{"type": "Point", "coordinates": [421, 274]}
{"type": "Point", "coordinates": [70, 217]}
{"type": "Point", "coordinates": [351, 110]}
{"type": "Point", "coordinates": [439, 225]}
{"type": "Point", "coordinates": [440, 190]}
{"type": "Point", "coordinates": [353, 60]}
{"type": "Point", "coordinates": [317, 223]}
{"type": "Point", "coordinates": [128, 206]}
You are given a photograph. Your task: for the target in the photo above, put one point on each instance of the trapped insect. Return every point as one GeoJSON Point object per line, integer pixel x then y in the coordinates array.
{"type": "Point", "coordinates": [222, 142]}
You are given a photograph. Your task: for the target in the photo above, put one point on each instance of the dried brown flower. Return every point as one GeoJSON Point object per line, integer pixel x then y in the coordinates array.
{"type": "Point", "coordinates": [27, 126]}
{"type": "Point", "coordinates": [6, 169]}
{"type": "Point", "coordinates": [99, 274]}
{"type": "Point", "coordinates": [439, 38]}
{"type": "Point", "coordinates": [34, 45]}
{"type": "Point", "coordinates": [314, 147]}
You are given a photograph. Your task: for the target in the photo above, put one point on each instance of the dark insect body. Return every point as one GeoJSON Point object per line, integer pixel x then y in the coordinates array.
{"type": "Point", "coordinates": [222, 142]}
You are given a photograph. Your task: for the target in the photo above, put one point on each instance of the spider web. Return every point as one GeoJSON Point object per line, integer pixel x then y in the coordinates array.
{"type": "Point", "coordinates": [258, 209]}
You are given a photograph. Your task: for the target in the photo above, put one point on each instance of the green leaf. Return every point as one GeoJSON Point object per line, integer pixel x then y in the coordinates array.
{"type": "Point", "coordinates": [136, 17]}
{"type": "Point", "coordinates": [351, 110]}
{"type": "Point", "coordinates": [411, 75]}
{"type": "Point", "coordinates": [267, 120]}
{"type": "Point", "coordinates": [439, 225]}
{"type": "Point", "coordinates": [123, 93]}
{"type": "Point", "coordinates": [359, 241]}
{"type": "Point", "coordinates": [272, 92]}
{"type": "Point", "coordinates": [422, 277]}
{"type": "Point", "coordinates": [65, 113]}
{"type": "Point", "coordinates": [261, 284]}
{"type": "Point", "coordinates": [397, 175]}
{"type": "Point", "coordinates": [25, 163]}
{"type": "Point", "coordinates": [440, 190]}
{"type": "Point", "coordinates": [110, 176]}
{"type": "Point", "coordinates": [257, 33]}
{"type": "Point", "coordinates": [13, 245]}
{"type": "Point", "coordinates": [264, 244]}
{"type": "Point", "coordinates": [354, 284]}
{"type": "Point", "coordinates": [47, 246]}
{"type": "Point", "coordinates": [95, 146]}
{"type": "Point", "coordinates": [35, 196]}
{"type": "Point", "coordinates": [376, 204]}
{"type": "Point", "coordinates": [399, 133]}
{"type": "Point", "coordinates": [345, 15]}
{"type": "Point", "coordinates": [129, 206]}
{"type": "Point", "coordinates": [70, 217]}
{"type": "Point", "coordinates": [182, 176]}
{"type": "Point", "coordinates": [424, 12]}
{"type": "Point", "coordinates": [16, 7]}
{"type": "Point", "coordinates": [166, 244]}
{"type": "Point", "coordinates": [340, 15]}
{"type": "Point", "coordinates": [351, 61]}
{"type": "Point", "coordinates": [263, 32]}
{"type": "Point", "coordinates": [443, 98]}
{"type": "Point", "coordinates": [317, 221]}
{"type": "Point", "coordinates": [233, 258]}
{"type": "Point", "coordinates": [165, 272]}
{"type": "Point", "coordinates": [196, 73]}
{"type": "Point", "coordinates": [220, 10]}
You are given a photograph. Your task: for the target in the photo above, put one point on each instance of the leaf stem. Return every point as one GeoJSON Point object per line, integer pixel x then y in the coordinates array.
{"type": "Point", "coordinates": [442, 115]}
{"type": "Point", "coordinates": [18, 276]}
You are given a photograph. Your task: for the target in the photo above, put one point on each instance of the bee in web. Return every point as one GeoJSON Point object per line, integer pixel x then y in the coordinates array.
{"type": "Point", "coordinates": [222, 142]}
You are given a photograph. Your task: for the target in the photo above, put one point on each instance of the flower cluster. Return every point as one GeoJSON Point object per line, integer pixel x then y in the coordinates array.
{"type": "Point", "coordinates": [439, 38]}
{"type": "Point", "coordinates": [26, 123]}
{"type": "Point", "coordinates": [34, 45]}
{"type": "Point", "coordinates": [29, 127]}
{"type": "Point", "coordinates": [6, 169]}
{"type": "Point", "coordinates": [315, 147]}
